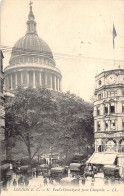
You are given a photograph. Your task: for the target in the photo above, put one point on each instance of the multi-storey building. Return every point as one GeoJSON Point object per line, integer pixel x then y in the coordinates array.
{"type": "Point", "coordinates": [109, 118]}
{"type": "Point", "coordinates": [2, 112]}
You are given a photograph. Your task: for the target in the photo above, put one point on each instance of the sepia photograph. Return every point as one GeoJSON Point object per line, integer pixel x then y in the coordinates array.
{"type": "Point", "coordinates": [61, 97]}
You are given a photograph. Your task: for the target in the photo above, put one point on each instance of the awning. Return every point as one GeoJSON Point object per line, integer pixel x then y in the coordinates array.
{"type": "Point", "coordinates": [111, 166]}
{"type": "Point", "coordinates": [109, 159]}
{"type": "Point", "coordinates": [102, 158]}
{"type": "Point", "coordinates": [96, 158]}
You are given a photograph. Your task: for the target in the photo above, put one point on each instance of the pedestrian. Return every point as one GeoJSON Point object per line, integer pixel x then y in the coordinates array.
{"type": "Point", "coordinates": [106, 181]}
{"type": "Point", "coordinates": [14, 183]}
{"type": "Point", "coordinates": [33, 173]}
{"type": "Point", "coordinates": [83, 180]}
{"type": "Point", "coordinates": [26, 180]}
{"type": "Point", "coordinates": [36, 173]}
{"type": "Point", "coordinates": [50, 180]}
{"type": "Point", "coordinates": [20, 181]}
{"type": "Point", "coordinates": [92, 182]}
{"type": "Point", "coordinates": [90, 168]}
{"type": "Point", "coordinates": [5, 184]}
{"type": "Point", "coordinates": [45, 181]}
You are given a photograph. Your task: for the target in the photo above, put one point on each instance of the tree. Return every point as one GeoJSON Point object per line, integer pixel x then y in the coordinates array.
{"type": "Point", "coordinates": [41, 118]}
{"type": "Point", "coordinates": [75, 132]}
{"type": "Point", "coordinates": [31, 116]}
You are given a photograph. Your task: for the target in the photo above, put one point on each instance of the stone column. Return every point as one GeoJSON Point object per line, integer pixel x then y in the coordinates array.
{"type": "Point", "coordinates": [104, 125]}
{"type": "Point", "coordinates": [60, 85]}
{"type": "Point", "coordinates": [108, 108]}
{"type": "Point", "coordinates": [45, 78]}
{"type": "Point", "coordinates": [117, 145]}
{"type": "Point", "coordinates": [34, 85]}
{"type": "Point", "coordinates": [55, 82]}
{"type": "Point", "coordinates": [40, 81]}
{"type": "Point", "coordinates": [50, 81]}
{"type": "Point", "coordinates": [27, 79]}
{"type": "Point", "coordinates": [15, 80]}
{"type": "Point", "coordinates": [21, 78]}
{"type": "Point", "coordinates": [11, 82]}
{"type": "Point", "coordinates": [109, 125]}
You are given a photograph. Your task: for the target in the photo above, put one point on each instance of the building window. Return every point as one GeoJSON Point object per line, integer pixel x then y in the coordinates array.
{"type": "Point", "coordinates": [112, 124]}
{"type": "Point", "coordinates": [100, 148]}
{"type": "Point", "coordinates": [100, 96]}
{"type": "Point", "coordinates": [98, 111]}
{"type": "Point", "coordinates": [106, 125]}
{"type": "Point", "coordinates": [112, 108]}
{"type": "Point", "coordinates": [111, 93]}
{"type": "Point", "coordinates": [108, 94]}
{"type": "Point", "coordinates": [106, 109]}
{"type": "Point", "coordinates": [98, 126]}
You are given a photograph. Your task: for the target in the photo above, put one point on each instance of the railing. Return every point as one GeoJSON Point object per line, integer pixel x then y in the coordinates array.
{"type": "Point", "coordinates": [109, 134]}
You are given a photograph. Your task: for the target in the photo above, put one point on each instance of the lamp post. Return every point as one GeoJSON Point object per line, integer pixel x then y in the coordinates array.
{"type": "Point", "coordinates": [50, 157]}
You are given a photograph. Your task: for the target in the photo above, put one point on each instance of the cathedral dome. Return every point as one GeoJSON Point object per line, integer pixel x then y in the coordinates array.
{"type": "Point", "coordinates": [31, 63]}
{"type": "Point", "coordinates": [33, 47]}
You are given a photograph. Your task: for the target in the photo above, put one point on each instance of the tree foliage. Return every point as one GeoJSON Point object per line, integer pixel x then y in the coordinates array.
{"type": "Point", "coordinates": [40, 118]}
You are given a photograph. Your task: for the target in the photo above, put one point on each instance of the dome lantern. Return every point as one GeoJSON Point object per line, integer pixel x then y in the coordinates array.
{"type": "Point", "coordinates": [31, 24]}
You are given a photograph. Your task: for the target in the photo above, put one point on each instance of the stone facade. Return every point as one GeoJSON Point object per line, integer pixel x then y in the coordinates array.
{"type": "Point", "coordinates": [109, 113]}
{"type": "Point", "coordinates": [2, 112]}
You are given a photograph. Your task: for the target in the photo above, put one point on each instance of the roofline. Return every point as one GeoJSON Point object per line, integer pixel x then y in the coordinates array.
{"type": "Point", "coordinates": [108, 71]}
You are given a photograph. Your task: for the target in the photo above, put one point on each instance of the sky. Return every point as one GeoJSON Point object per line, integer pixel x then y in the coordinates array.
{"type": "Point", "coordinates": [79, 33]}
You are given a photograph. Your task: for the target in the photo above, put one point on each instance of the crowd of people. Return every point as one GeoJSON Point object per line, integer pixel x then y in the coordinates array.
{"type": "Point", "coordinates": [22, 178]}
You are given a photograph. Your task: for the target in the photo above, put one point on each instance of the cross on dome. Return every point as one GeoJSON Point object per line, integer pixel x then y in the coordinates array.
{"type": "Point", "coordinates": [30, 3]}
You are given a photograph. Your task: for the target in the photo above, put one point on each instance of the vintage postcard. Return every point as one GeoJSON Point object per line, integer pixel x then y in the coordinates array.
{"type": "Point", "coordinates": [61, 97]}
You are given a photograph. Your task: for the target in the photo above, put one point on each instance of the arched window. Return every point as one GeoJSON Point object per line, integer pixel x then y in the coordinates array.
{"type": "Point", "coordinates": [110, 146]}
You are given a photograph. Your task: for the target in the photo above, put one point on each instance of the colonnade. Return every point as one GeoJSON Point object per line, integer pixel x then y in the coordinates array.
{"type": "Point", "coordinates": [33, 79]}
